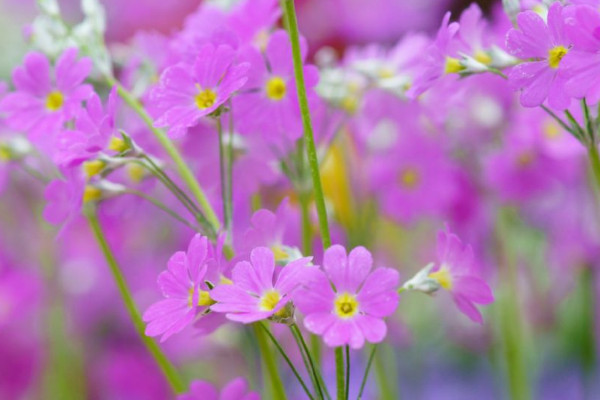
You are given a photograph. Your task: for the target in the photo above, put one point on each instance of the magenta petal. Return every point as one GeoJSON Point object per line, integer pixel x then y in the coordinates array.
{"type": "Point", "coordinates": [338, 333]}
{"type": "Point", "coordinates": [335, 264]}
{"type": "Point", "coordinates": [473, 288]}
{"type": "Point", "coordinates": [318, 323]}
{"type": "Point", "coordinates": [373, 329]}
{"type": "Point", "coordinates": [468, 308]}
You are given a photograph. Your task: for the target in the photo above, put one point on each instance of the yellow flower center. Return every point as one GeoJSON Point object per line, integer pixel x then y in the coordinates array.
{"type": "Point", "coordinates": [205, 99]}
{"type": "Point", "coordinates": [483, 57]}
{"type": "Point", "coordinates": [555, 55]}
{"type": "Point", "coordinates": [443, 277]}
{"type": "Point", "coordinates": [345, 305]}
{"type": "Point", "coordinates": [409, 178]}
{"type": "Point", "coordinates": [203, 298]}
{"type": "Point", "coordinates": [276, 88]}
{"type": "Point", "coordinates": [92, 168]}
{"type": "Point", "coordinates": [453, 66]}
{"type": "Point", "coordinates": [54, 100]}
{"type": "Point", "coordinates": [269, 300]}
{"type": "Point", "coordinates": [91, 193]}
{"type": "Point", "coordinates": [350, 104]}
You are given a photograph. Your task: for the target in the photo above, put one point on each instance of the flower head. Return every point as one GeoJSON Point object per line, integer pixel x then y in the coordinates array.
{"type": "Point", "coordinates": [187, 92]}
{"type": "Point", "coordinates": [346, 303]}
{"type": "Point", "coordinates": [259, 289]}
{"type": "Point", "coordinates": [546, 44]}
{"type": "Point", "coordinates": [186, 292]}
{"type": "Point", "coordinates": [46, 98]}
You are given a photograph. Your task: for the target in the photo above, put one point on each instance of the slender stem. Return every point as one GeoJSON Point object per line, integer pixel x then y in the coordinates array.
{"type": "Point", "coordinates": [595, 163]}
{"type": "Point", "coordinates": [223, 177]}
{"type": "Point", "coordinates": [363, 383]}
{"type": "Point", "coordinates": [289, 12]}
{"type": "Point", "coordinates": [339, 368]}
{"type": "Point", "coordinates": [184, 170]}
{"type": "Point", "coordinates": [169, 371]}
{"type": "Point", "coordinates": [311, 368]}
{"type": "Point", "coordinates": [230, 157]}
{"type": "Point", "coordinates": [270, 364]}
{"type": "Point", "coordinates": [286, 358]}
{"type": "Point", "coordinates": [562, 123]}
{"type": "Point", "coordinates": [589, 126]}
{"type": "Point", "coordinates": [347, 390]}
{"type": "Point", "coordinates": [163, 207]}
{"type": "Point", "coordinates": [291, 23]}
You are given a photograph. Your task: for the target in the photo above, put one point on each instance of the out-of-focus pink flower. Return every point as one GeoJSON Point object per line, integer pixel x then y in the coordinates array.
{"type": "Point", "coordinates": [547, 44]}
{"type": "Point", "coordinates": [183, 285]}
{"type": "Point", "coordinates": [353, 310]}
{"type": "Point", "coordinates": [253, 20]}
{"type": "Point", "coordinates": [46, 98]}
{"type": "Point", "coordinates": [260, 289]}
{"type": "Point", "coordinates": [237, 389]}
{"type": "Point", "coordinates": [187, 93]}
{"type": "Point", "coordinates": [64, 198]}
{"type": "Point", "coordinates": [455, 272]}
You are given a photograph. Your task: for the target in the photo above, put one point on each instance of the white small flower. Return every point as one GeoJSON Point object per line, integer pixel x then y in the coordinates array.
{"type": "Point", "coordinates": [422, 282]}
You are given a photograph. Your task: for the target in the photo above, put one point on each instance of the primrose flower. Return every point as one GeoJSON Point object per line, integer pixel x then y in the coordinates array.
{"type": "Point", "coordinates": [237, 389]}
{"type": "Point", "coordinates": [187, 294]}
{"type": "Point", "coordinates": [44, 98]}
{"type": "Point", "coordinates": [353, 310]}
{"type": "Point", "coordinates": [546, 44]}
{"type": "Point", "coordinates": [454, 272]}
{"type": "Point", "coordinates": [582, 63]}
{"type": "Point", "coordinates": [187, 92]}
{"type": "Point", "coordinates": [260, 289]}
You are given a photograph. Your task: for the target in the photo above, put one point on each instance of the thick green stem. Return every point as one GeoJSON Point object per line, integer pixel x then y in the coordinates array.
{"type": "Point", "coordinates": [184, 171]}
{"type": "Point", "coordinates": [166, 367]}
{"type": "Point", "coordinates": [595, 164]}
{"type": "Point", "coordinates": [224, 187]}
{"type": "Point", "coordinates": [270, 364]}
{"type": "Point", "coordinates": [339, 369]}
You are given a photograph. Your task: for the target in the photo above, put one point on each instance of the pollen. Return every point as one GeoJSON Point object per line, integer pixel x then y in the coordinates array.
{"type": "Point", "coordinates": [92, 168]}
{"type": "Point", "coordinates": [443, 277]}
{"type": "Point", "coordinates": [204, 299]}
{"type": "Point", "coordinates": [269, 300]}
{"type": "Point", "coordinates": [555, 55]}
{"type": "Point", "coordinates": [91, 193]}
{"type": "Point", "coordinates": [345, 305]}
{"type": "Point", "coordinates": [54, 100]}
{"type": "Point", "coordinates": [409, 178]}
{"type": "Point", "coordinates": [205, 99]}
{"type": "Point", "coordinates": [276, 88]}
{"type": "Point", "coordinates": [453, 66]}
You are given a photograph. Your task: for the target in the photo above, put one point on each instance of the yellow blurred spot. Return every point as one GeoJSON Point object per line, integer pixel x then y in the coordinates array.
{"type": "Point", "coordinates": [54, 100]}
{"type": "Point", "coordinates": [409, 178]}
{"type": "Point", "coordinates": [525, 158]}
{"type": "Point", "coordinates": [91, 193]}
{"type": "Point", "coordinates": [5, 153]}
{"type": "Point", "coordinates": [269, 300]}
{"type": "Point", "coordinates": [205, 99]}
{"type": "Point", "coordinates": [117, 144]}
{"type": "Point", "coordinates": [336, 185]}
{"type": "Point", "coordinates": [136, 172]}
{"type": "Point", "coordinates": [551, 130]}
{"type": "Point", "coordinates": [483, 57]}
{"type": "Point", "coordinates": [453, 66]}
{"type": "Point", "coordinates": [92, 168]}
{"type": "Point", "coordinates": [345, 305]}
{"type": "Point", "coordinates": [279, 253]}
{"type": "Point", "coordinates": [276, 88]}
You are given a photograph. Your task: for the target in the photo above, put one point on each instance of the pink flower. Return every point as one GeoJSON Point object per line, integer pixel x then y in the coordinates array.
{"type": "Point", "coordinates": [64, 198]}
{"type": "Point", "coordinates": [455, 272]}
{"type": "Point", "coordinates": [45, 99]}
{"type": "Point", "coordinates": [187, 92]}
{"type": "Point", "coordinates": [260, 289]}
{"type": "Point", "coordinates": [353, 311]}
{"type": "Point", "coordinates": [546, 44]}
{"type": "Point", "coordinates": [582, 64]}
{"type": "Point", "coordinates": [237, 389]}
{"type": "Point", "coordinates": [185, 289]}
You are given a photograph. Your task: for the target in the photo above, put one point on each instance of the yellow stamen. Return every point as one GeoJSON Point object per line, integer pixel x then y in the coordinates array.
{"type": "Point", "coordinates": [5, 153]}
{"type": "Point", "coordinates": [483, 57]}
{"type": "Point", "coordinates": [443, 277]}
{"type": "Point", "coordinates": [555, 55]}
{"type": "Point", "coordinates": [117, 144]}
{"type": "Point", "coordinates": [54, 100]}
{"type": "Point", "coordinates": [92, 168]}
{"type": "Point", "coordinates": [205, 99]}
{"type": "Point", "coordinates": [453, 66]}
{"type": "Point", "coordinates": [269, 300]}
{"type": "Point", "coordinates": [345, 305]}
{"type": "Point", "coordinates": [91, 193]}
{"type": "Point", "coordinates": [409, 178]}
{"type": "Point", "coordinates": [276, 88]}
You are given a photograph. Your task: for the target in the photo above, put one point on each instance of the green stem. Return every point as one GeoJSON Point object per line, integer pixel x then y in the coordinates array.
{"type": "Point", "coordinates": [286, 358]}
{"type": "Point", "coordinates": [223, 174]}
{"type": "Point", "coordinates": [184, 171]}
{"type": "Point", "coordinates": [347, 390]}
{"type": "Point", "coordinates": [595, 163]}
{"type": "Point", "coordinates": [363, 383]}
{"type": "Point", "coordinates": [157, 203]}
{"type": "Point", "coordinates": [270, 364]}
{"type": "Point", "coordinates": [308, 360]}
{"type": "Point", "coordinates": [230, 156]}
{"type": "Point", "coordinates": [291, 23]}
{"type": "Point", "coordinates": [169, 371]}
